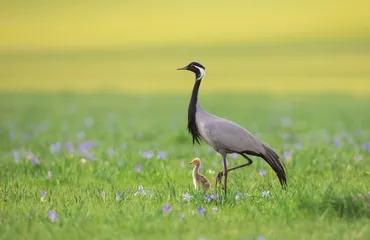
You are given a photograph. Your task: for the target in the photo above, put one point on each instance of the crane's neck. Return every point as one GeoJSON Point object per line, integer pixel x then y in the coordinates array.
{"type": "Point", "coordinates": [194, 104]}
{"type": "Point", "coordinates": [193, 107]}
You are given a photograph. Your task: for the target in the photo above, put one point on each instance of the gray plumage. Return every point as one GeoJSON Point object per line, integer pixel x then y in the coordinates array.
{"type": "Point", "coordinates": [225, 136]}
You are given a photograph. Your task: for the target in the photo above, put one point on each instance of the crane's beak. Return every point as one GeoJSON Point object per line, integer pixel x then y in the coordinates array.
{"type": "Point", "coordinates": [183, 68]}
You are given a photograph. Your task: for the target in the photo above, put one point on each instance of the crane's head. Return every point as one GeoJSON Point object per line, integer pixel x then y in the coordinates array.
{"type": "Point", "coordinates": [196, 68]}
{"type": "Point", "coordinates": [195, 162]}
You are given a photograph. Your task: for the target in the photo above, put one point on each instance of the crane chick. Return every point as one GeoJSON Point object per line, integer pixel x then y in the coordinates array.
{"type": "Point", "coordinates": [198, 179]}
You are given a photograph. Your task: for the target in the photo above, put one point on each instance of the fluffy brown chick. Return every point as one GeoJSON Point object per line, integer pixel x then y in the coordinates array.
{"type": "Point", "coordinates": [198, 179]}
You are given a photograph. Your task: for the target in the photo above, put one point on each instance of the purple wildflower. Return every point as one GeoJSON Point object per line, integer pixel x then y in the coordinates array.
{"type": "Point", "coordinates": [359, 132]}
{"type": "Point", "coordinates": [161, 155]}
{"type": "Point", "coordinates": [166, 208]}
{"type": "Point", "coordinates": [138, 167]}
{"type": "Point", "coordinates": [53, 216]}
{"type": "Point", "coordinates": [148, 154]}
{"type": "Point", "coordinates": [118, 196]}
{"type": "Point", "coordinates": [214, 209]}
{"type": "Point", "coordinates": [262, 172]}
{"type": "Point", "coordinates": [214, 196]}
{"type": "Point", "coordinates": [186, 196]}
{"type": "Point", "coordinates": [238, 196]}
{"type": "Point", "coordinates": [201, 211]}
{"type": "Point", "coordinates": [43, 194]}
{"type": "Point", "coordinates": [55, 148]}
{"type": "Point", "coordinates": [357, 158]}
{"type": "Point", "coordinates": [34, 160]}
{"type": "Point", "coordinates": [337, 142]}
{"type": "Point", "coordinates": [16, 156]}
{"type": "Point", "coordinates": [182, 216]}
{"type": "Point", "coordinates": [111, 152]}
{"type": "Point", "coordinates": [89, 155]}
{"type": "Point", "coordinates": [102, 194]}
{"type": "Point", "coordinates": [141, 191]}
{"type": "Point", "coordinates": [366, 147]}
{"type": "Point", "coordinates": [207, 197]}
{"type": "Point", "coordinates": [70, 147]}
{"type": "Point", "coordinates": [29, 155]}
{"type": "Point", "coordinates": [227, 162]}
{"type": "Point", "coordinates": [85, 146]}
{"type": "Point", "coordinates": [149, 193]}
{"type": "Point", "coordinates": [261, 238]}
{"type": "Point", "coordinates": [287, 155]}
{"type": "Point", "coordinates": [50, 174]}
{"type": "Point", "coordinates": [234, 155]}
{"type": "Point", "coordinates": [298, 146]}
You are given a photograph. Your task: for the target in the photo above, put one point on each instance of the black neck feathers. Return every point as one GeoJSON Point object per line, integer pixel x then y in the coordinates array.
{"type": "Point", "coordinates": [192, 126]}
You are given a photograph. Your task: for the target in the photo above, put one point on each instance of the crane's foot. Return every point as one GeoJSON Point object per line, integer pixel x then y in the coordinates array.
{"type": "Point", "coordinates": [219, 178]}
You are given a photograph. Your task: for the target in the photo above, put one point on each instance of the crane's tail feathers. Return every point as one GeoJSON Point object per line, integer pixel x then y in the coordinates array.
{"type": "Point", "coordinates": [273, 159]}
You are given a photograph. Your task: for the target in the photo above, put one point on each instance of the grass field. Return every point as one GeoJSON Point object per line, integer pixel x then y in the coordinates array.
{"type": "Point", "coordinates": [93, 118]}
{"type": "Point", "coordinates": [323, 139]}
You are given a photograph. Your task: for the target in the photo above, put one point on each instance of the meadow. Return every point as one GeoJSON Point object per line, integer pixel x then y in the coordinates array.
{"type": "Point", "coordinates": [94, 144]}
{"type": "Point", "coordinates": [93, 118]}
{"type": "Point", "coordinates": [104, 166]}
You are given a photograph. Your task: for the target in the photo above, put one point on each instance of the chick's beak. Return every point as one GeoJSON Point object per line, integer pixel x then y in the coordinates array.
{"type": "Point", "coordinates": [183, 68]}
{"type": "Point", "coordinates": [190, 162]}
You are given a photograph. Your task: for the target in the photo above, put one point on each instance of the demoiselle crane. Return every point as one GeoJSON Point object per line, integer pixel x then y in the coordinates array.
{"type": "Point", "coordinates": [225, 136]}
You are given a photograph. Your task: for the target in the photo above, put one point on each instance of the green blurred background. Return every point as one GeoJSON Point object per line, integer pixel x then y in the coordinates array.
{"type": "Point", "coordinates": [135, 46]}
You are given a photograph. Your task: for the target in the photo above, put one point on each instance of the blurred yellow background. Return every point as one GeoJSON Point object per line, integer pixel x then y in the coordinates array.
{"type": "Point", "coordinates": [135, 46]}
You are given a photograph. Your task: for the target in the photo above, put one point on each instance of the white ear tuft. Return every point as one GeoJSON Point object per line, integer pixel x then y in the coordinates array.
{"type": "Point", "coordinates": [202, 73]}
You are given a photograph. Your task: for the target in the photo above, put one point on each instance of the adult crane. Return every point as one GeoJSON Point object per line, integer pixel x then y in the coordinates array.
{"type": "Point", "coordinates": [225, 136]}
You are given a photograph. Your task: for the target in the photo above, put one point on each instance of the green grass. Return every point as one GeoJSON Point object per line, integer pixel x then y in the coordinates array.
{"type": "Point", "coordinates": [321, 177]}
{"type": "Point", "coordinates": [125, 54]}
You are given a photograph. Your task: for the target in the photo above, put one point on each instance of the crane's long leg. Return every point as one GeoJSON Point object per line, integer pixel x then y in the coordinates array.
{"type": "Point", "coordinates": [225, 171]}
{"type": "Point", "coordinates": [221, 174]}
